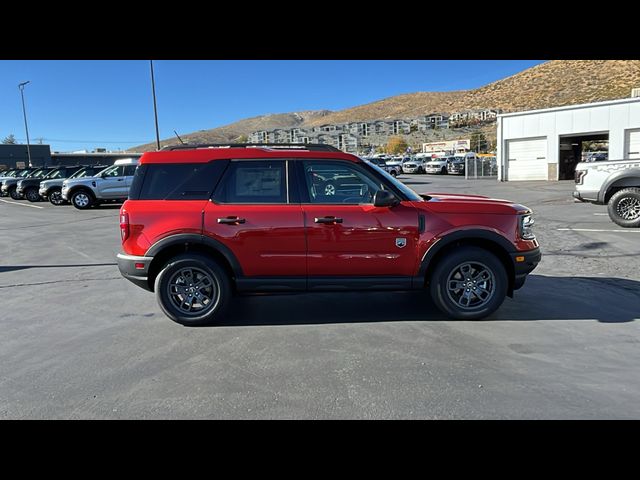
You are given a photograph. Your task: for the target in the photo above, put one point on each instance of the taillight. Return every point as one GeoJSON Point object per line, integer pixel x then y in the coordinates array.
{"type": "Point", "coordinates": [124, 226]}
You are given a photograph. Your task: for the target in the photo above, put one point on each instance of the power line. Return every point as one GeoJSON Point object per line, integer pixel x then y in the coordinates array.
{"type": "Point", "coordinates": [137, 142]}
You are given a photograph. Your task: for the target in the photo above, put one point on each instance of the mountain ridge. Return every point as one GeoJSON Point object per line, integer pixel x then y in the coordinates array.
{"type": "Point", "coordinates": [549, 84]}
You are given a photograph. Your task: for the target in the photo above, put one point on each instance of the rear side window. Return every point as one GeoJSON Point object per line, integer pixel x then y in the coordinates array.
{"type": "Point", "coordinates": [262, 181]}
{"type": "Point", "coordinates": [176, 181]}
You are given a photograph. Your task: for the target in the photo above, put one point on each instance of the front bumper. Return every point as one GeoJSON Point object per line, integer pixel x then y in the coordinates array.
{"type": "Point", "coordinates": [42, 192]}
{"type": "Point", "coordinates": [524, 263]}
{"type": "Point", "coordinates": [135, 269]}
{"type": "Point", "coordinates": [586, 196]}
{"type": "Point", "coordinates": [64, 192]}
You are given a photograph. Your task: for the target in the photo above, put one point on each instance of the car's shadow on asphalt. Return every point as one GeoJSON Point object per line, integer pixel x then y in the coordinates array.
{"type": "Point", "coordinates": [416, 183]}
{"type": "Point", "coordinates": [607, 300]}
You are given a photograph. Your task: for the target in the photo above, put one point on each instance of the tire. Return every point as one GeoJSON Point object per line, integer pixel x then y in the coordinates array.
{"type": "Point", "coordinates": [174, 305]}
{"type": "Point", "coordinates": [329, 189]}
{"type": "Point", "coordinates": [624, 207]}
{"type": "Point", "coordinates": [13, 193]}
{"type": "Point", "coordinates": [82, 199]}
{"type": "Point", "coordinates": [394, 174]}
{"type": "Point", "coordinates": [486, 278]}
{"type": "Point", "coordinates": [55, 197]}
{"type": "Point", "coordinates": [32, 195]}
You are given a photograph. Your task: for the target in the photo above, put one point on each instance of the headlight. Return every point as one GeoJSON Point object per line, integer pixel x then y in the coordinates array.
{"type": "Point", "coordinates": [526, 227]}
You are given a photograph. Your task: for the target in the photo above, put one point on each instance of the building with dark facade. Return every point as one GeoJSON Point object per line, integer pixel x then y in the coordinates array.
{"type": "Point", "coordinates": [15, 156]}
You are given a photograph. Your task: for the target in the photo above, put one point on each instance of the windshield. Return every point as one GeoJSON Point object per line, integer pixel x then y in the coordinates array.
{"type": "Point", "coordinates": [410, 194]}
{"type": "Point", "coordinates": [24, 173]}
{"type": "Point", "coordinates": [111, 171]}
{"type": "Point", "coordinates": [52, 174]}
{"type": "Point", "coordinates": [79, 173]}
{"type": "Point", "coordinates": [38, 173]}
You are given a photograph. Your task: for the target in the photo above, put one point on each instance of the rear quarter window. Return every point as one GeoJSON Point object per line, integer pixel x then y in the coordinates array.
{"type": "Point", "coordinates": [176, 181]}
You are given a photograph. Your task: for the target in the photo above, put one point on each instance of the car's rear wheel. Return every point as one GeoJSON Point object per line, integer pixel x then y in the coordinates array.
{"type": "Point", "coordinates": [469, 283]}
{"type": "Point", "coordinates": [55, 197]}
{"type": "Point", "coordinates": [82, 199]}
{"type": "Point", "coordinates": [192, 290]}
{"type": "Point", "coordinates": [624, 207]}
{"type": "Point", "coordinates": [32, 195]}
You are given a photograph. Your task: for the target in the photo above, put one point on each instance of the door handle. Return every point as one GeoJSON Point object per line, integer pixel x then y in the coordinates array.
{"type": "Point", "coordinates": [121, 179]}
{"type": "Point", "coordinates": [328, 220]}
{"type": "Point", "coordinates": [231, 220]}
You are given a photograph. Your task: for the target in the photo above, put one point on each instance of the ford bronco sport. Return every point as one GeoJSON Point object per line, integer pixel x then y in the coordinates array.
{"type": "Point", "coordinates": [205, 222]}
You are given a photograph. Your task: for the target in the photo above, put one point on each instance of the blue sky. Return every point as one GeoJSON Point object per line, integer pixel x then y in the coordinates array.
{"type": "Point", "coordinates": [77, 104]}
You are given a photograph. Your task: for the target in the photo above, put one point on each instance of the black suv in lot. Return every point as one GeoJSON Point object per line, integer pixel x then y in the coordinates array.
{"type": "Point", "coordinates": [8, 187]}
{"type": "Point", "coordinates": [29, 187]}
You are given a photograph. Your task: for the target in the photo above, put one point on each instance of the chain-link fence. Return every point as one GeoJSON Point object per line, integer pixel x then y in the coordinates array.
{"type": "Point", "coordinates": [481, 167]}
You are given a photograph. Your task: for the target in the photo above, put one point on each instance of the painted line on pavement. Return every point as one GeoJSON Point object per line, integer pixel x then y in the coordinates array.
{"type": "Point", "coordinates": [21, 204]}
{"type": "Point", "coordinates": [595, 230]}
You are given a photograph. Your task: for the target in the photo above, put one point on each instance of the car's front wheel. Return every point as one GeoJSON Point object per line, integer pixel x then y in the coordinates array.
{"type": "Point", "coordinates": [469, 283]}
{"type": "Point", "coordinates": [624, 207]}
{"type": "Point", "coordinates": [13, 193]}
{"type": "Point", "coordinates": [32, 195]}
{"type": "Point", "coordinates": [82, 199]}
{"type": "Point", "coordinates": [55, 197]}
{"type": "Point", "coordinates": [193, 290]}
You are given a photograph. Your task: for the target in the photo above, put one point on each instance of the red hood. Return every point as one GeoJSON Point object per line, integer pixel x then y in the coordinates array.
{"type": "Point", "coordinates": [457, 203]}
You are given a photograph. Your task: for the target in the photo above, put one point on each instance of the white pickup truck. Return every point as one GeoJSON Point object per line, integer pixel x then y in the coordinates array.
{"type": "Point", "coordinates": [614, 183]}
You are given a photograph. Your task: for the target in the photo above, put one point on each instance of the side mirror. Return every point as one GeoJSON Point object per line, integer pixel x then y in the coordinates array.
{"type": "Point", "coordinates": [384, 198]}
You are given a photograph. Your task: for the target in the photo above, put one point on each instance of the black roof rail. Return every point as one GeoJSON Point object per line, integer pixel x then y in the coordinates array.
{"type": "Point", "coordinates": [316, 147]}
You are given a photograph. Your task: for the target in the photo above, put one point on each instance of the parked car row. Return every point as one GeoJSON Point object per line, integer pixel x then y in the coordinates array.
{"type": "Point", "coordinates": [83, 186]}
{"type": "Point", "coordinates": [440, 164]}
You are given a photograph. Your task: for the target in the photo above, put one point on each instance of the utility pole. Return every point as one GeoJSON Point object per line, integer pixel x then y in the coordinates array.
{"type": "Point", "coordinates": [24, 112]}
{"type": "Point", "coordinates": [155, 108]}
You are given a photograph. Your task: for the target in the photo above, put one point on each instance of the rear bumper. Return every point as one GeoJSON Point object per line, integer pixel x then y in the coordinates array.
{"type": "Point", "coordinates": [524, 263]}
{"type": "Point", "coordinates": [135, 269]}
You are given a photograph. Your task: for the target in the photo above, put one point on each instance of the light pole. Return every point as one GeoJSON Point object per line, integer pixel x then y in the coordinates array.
{"type": "Point", "coordinates": [24, 111]}
{"type": "Point", "coordinates": [155, 108]}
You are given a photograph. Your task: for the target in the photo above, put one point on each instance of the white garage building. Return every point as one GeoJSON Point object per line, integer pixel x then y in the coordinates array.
{"type": "Point", "coordinates": [547, 144]}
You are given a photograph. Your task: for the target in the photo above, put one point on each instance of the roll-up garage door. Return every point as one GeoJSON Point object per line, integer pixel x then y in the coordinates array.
{"type": "Point", "coordinates": [633, 144]}
{"type": "Point", "coordinates": [527, 159]}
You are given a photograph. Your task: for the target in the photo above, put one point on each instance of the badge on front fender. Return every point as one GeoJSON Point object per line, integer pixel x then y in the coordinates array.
{"type": "Point", "coordinates": [401, 242]}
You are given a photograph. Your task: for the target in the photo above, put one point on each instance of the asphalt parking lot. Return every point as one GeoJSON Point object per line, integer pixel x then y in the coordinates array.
{"type": "Point", "coordinates": [79, 341]}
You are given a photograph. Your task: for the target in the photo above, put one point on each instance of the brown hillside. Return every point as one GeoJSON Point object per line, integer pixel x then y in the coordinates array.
{"type": "Point", "coordinates": [231, 132]}
{"type": "Point", "coordinates": [554, 83]}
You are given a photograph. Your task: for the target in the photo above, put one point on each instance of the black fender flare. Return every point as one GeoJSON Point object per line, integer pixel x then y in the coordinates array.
{"type": "Point", "coordinates": [74, 189]}
{"type": "Point", "coordinates": [194, 238]}
{"type": "Point", "coordinates": [468, 234]}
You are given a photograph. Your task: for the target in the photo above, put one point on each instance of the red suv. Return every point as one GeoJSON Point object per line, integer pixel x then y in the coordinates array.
{"type": "Point", "coordinates": [205, 222]}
